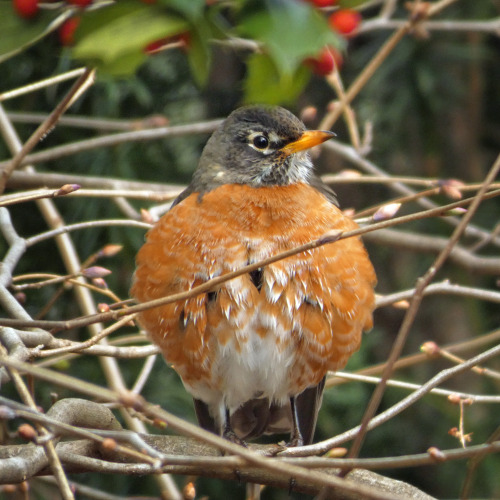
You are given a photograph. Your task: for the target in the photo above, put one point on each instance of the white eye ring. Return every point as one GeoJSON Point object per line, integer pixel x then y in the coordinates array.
{"type": "Point", "coordinates": [260, 142]}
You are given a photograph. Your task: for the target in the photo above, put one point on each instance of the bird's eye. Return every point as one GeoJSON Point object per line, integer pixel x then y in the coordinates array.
{"type": "Point", "coordinates": [260, 141]}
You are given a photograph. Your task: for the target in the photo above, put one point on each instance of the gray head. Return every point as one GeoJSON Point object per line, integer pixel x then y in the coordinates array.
{"type": "Point", "coordinates": [258, 146]}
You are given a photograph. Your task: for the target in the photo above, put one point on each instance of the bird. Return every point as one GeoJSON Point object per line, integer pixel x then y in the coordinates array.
{"type": "Point", "coordinates": [254, 351]}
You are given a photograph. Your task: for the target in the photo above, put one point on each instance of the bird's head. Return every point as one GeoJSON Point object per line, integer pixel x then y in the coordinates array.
{"type": "Point", "coordinates": [258, 146]}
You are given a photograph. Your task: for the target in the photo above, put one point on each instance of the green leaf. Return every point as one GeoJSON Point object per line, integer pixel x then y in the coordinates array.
{"type": "Point", "coordinates": [351, 4]}
{"type": "Point", "coordinates": [199, 54]}
{"type": "Point", "coordinates": [266, 85]}
{"type": "Point", "coordinates": [17, 34]}
{"type": "Point", "coordinates": [191, 9]}
{"type": "Point", "coordinates": [108, 35]}
{"type": "Point", "coordinates": [125, 65]}
{"type": "Point", "coordinates": [290, 31]}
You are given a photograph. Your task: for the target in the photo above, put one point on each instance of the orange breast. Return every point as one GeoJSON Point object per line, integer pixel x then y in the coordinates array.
{"type": "Point", "coordinates": [310, 311]}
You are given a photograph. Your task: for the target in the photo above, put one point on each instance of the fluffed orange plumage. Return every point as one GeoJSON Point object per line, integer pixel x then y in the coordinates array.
{"type": "Point", "coordinates": [312, 306]}
{"type": "Point", "coordinates": [254, 350]}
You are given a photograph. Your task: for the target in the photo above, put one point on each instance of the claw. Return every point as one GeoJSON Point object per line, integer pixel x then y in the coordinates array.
{"type": "Point", "coordinates": [228, 432]}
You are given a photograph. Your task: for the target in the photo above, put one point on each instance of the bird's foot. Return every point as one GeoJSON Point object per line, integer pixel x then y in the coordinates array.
{"type": "Point", "coordinates": [294, 443]}
{"type": "Point", "coordinates": [295, 440]}
{"type": "Point", "coordinates": [272, 450]}
{"type": "Point", "coordinates": [231, 436]}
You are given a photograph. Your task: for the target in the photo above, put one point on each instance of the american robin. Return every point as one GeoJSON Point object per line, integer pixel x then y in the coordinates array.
{"type": "Point", "coordinates": [254, 351]}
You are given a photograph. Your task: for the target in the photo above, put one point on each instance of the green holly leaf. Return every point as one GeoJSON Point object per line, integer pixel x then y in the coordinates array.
{"type": "Point", "coordinates": [351, 4]}
{"type": "Point", "coordinates": [190, 9]}
{"type": "Point", "coordinates": [124, 65]}
{"type": "Point", "coordinates": [18, 34]}
{"type": "Point", "coordinates": [109, 35]}
{"type": "Point", "coordinates": [266, 85]}
{"type": "Point", "coordinates": [290, 32]}
{"type": "Point", "coordinates": [199, 53]}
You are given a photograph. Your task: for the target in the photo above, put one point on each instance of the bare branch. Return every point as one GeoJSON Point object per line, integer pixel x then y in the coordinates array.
{"type": "Point", "coordinates": [47, 82]}
{"type": "Point", "coordinates": [85, 225]}
{"type": "Point", "coordinates": [435, 244]}
{"type": "Point", "coordinates": [476, 398]}
{"type": "Point", "coordinates": [388, 414]}
{"type": "Point", "coordinates": [84, 298]}
{"type": "Point", "coordinates": [47, 444]}
{"type": "Point", "coordinates": [100, 124]}
{"type": "Point", "coordinates": [84, 81]}
{"type": "Point", "coordinates": [320, 479]}
{"type": "Point", "coordinates": [411, 313]}
{"type": "Point", "coordinates": [490, 26]}
{"type": "Point", "coordinates": [114, 140]}
{"type": "Point", "coordinates": [413, 359]}
{"type": "Point", "coordinates": [353, 156]}
{"type": "Point", "coordinates": [445, 288]}
{"type": "Point", "coordinates": [208, 285]}
{"type": "Point", "coordinates": [24, 180]}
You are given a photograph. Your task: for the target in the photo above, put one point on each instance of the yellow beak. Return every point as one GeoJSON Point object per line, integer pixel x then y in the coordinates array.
{"type": "Point", "coordinates": [308, 139]}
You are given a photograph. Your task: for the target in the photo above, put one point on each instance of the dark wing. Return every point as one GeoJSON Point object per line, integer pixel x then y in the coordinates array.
{"type": "Point", "coordinates": [307, 405]}
{"type": "Point", "coordinates": [205, 420]}
{"type": "Point", "coordinates": [182, 196]}
{"type": "Point", "coordinates": [253, 419]}
{"type": "Point", "coordinates": [323, 188]}
{"type": "Point", "coordinates": [257, 417]}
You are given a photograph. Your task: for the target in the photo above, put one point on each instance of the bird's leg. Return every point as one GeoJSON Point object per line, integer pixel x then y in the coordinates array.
{"type": "Point", "coordinates": [296, 438]}
{"type": "Point", "coordinates": [228, 433]}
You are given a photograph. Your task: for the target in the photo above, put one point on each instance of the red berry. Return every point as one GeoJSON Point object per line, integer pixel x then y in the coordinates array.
{"type": "Point", "coordinates": [80, 3]}
{"type": "Point", "coordinates": [322, 3]}
{"type": "Point", "coordinates": [26, 8]}
{"type": "Point", "coordinates": [345, 21]}
{"type": "Point", "coordinates": [325, 61]}
{"type": "Point", "coordinates": [67, 31]}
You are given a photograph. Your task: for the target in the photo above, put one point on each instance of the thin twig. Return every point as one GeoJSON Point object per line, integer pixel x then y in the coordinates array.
{"type": "Point", "coordinates": [474, 463]}
{"type": "Point", "coordinates": [369, 70]}
{"type": "Point", "coordinates": [477, 369]}
{"type": "Point", "coordinates": [413, 359]}
{"type": "Point", "coordinates": [405, 403]}
{"type": "Point", "coordinates": [208, 285]}
{"type": "Point", "coordinates": [85, 225]}
{"type": "Point", "coordinates": [476, 398]}
{"type": "Point", "coordinates": [48, 445]}
{"type": "Point", "coordinates": [490, 26]}
{"type": "Point", "coordinates": [410, 315]}
{"type": "Point", "coordinates": [353, 156]}
{"type": "Point", "coordinates": [100, 124]}
{"type": "Point", "coordinates": [144, 374]}
{"type": "Point", "coordinates": [91, 341]}
{"type": "Point", "coordinates": [94, 493]}
{"type": "Point", "coordinates": [84, 298]}
{"type": "Point", "coordinates": [188, 429]}
{"type": "Point", "coordinates": [83, 82]}
{"type": "Point", "coordinates": [115, 139]}
{"type": "Point", "coordinates": [47, 82]}
{"type": "Point", "coordinates": [26, 180]}
{"type": "Point", "coordinates": [445, 287]}
{"type": "Point", "coordinates": [434, 244]}
{"type": "Point", "coordinates": [65, 429]}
